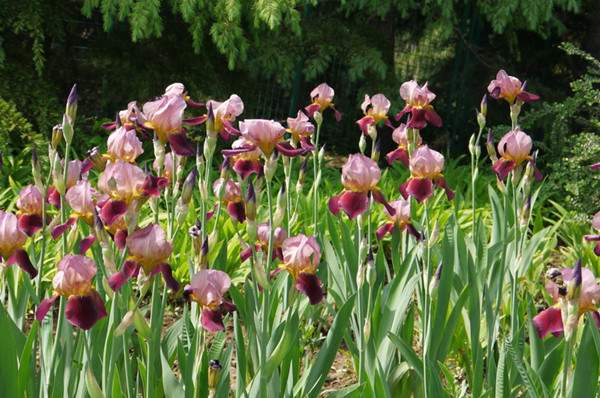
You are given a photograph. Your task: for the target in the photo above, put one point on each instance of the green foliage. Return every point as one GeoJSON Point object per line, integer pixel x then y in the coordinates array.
{"type": "Point", "coordinates": [15, 130]}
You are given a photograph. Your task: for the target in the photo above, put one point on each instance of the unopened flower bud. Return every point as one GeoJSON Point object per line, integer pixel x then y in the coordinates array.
{"type": "Point", "coordinates": [214, 371]}
{"type": "Point", "coordinates": [159, 154]}
{"type": "Point", "coordinates": [376, 151]}
{"type": "Point", "coordinates": [188, 187]}
{"type": "Point", "coordinates": [71, 108]}
{"type": "Point", "coordinates": [250, 202]}
{"type": "Point", "coordinates": [56, 136]}
{"type": "Point", "coordinates": [36, 169]}
{"type": "Point", "coordinates": [372, 132]}
{"type": "Point", "coordinates": [371, 272]}
{"type": "Point", "coordinates": [360, 275]}
{"type": "Point", "coordinates": [321, 154]}
{"type": "Point", "coordinates": [318, 117]}
{"type": "Point", "coordinates": [210, 122]}
{"type": "Point", "coordinates": [362, 144]}
{"type": "Point", "coordinates": [281, 206]}
{"type": "Point", "coordinates": [203, 262]}
{"type": "Point", "coordinates": [574, 285]}
{"type": "Point", "coordinates": [489, 145]}
{"type": "Point", "coordinates": [67, 129]}
{"type": "Point", "coordinates": [483, 106]}
{"type": "Point", "coordinates": [270, 167]}
{"type": "Point", "coordinates": [224, 168]}
{"type": "Point", "coordinates": [181, 211]}
{"type": "Point", "coordinates": [367, 329]}
{"type": "Point", "coordinates": [435, 280]}
{"type": "Point", "coordinates": [480, 120]}
{"type": "Point", "coordinates": [210, 143]}
{"type": "Point", "coordinates": [472, 144]}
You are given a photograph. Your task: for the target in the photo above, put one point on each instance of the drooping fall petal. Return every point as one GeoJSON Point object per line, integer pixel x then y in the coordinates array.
{"type": "Point", "coordinates": [310, 285]}
{"type": "Point", "coordinates": [84, 311]}
{"type": "Point", "coordinates": [548, 321]}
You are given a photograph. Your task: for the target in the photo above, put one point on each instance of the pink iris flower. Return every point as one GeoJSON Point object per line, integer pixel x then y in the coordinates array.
{"type": "Point", "coordinates": [301, 257]}
{"type": "Point", "coordinates": [165, 117]}
{"type": "Point", "coordinates": [75, 170]}
{"type": "Point", "coordinates": [375, 110]}
{"type": "Point", "coordinates": [514, 149]}
{"type": "Point", "coordinates": [225, 114]}
{"type": "Point", "coordinates": [322, 99]}
{"type": "Point", "coordinates": [426, 166]}
{"type": "Point", "coordinates": [148, 249]}
{"type": "Point", "coordinates": [74, 282]}
{"type": "Point", "coordinates": [360, 176]}
{"type": "Point", "coordinates": [232, 197]}
{"type": "Point", "coordinates": [300, 127]}
{"type": "Point", "coordinates": [400, 137]}
{"type": "Point", "coordinates": [244, 158]}
{"type": "Point", "coordinates": [262, 243]}
{"type": "Point", "coordinates": [399, 219]}
{"type": "Point", "coordinates": [82, 200]}
{"type": "Point", "coordinates": [418, 104]}
{"type": "Point", "coordinates": [267, 135]}
{"type": "Point", "coordinates": [30, 203]}
{"type": "Point", "coordinates": [124, 144]}
{"type": "Point", "coordinates": [12, 240]}
{"type": "Point", "coordinates": [124, 182]}
{"type": "Point", "coordinates": [510, 89]}
{"type": "Point", "coordinates": [208, 288]}
{"type": "Point", "coordinates": [551, 319]}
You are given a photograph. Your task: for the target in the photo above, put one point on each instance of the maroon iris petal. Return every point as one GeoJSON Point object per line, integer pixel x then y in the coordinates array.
{"type": "Point", "coordinates": [120, 238]}
{"type": "Point", "coordinates": [526, 96]}
{"type": "Point", "coordinates": [403, 189]}
{"type": "Point", "coordinates": [307, 145]}
{"type": "Point", "coordinates": [246, 254]}
{"type": "Point", "coordinates": [285, 148]}
{"type": "Point", "coordinates": [181, 144]}
{"type": "Point", "coordinates": [194, 121]}
{"type": "Point", "coordinates": [364, 123]}
{"type": "Point", "coordinates": [109, 126]}
{"type": "Point", "coordinates": [237, 211]}
{"type": "Point", "coordinates": [30, 223]}
{"type": "Point", "coordinates": [238, 151]}
{"type": "Point", "coordinates": [167, 273]}
{"type": "Point", "coordinates": [228, 130]}
{"type": "Point", "coordinates": [337, 114]}
{"type": "Point", "coordinates": [433, 118]}
{"type": "Point", "coordinates": [62, 228]}
{"type": "Point", "coordinates": [417, 119]}
{"type": "Point", "coordinates": [129, 270]}
{"type": "Point", "coordinates": [420, 188]}
{"type": "Point", "coordinates": [310, 285]}
{"type": "Point", "coordinates": [379, 198]}
{"type": "Point", "coordinates": [402, 112]}
{"type": "Point", "coordinates": [21, 258]}
{"type": "Point", "coordinates": [537, 174]}
{"type": "Point", "coordinates": [86, 243]}
{"type": "Point", "coordinates": [195, 104]}
{"type": "Point", "coordinates": [244, 168]}
{"type": "Point", "coordinates": [44, 307]}
{"type": "Point", "coordinates": [154, 185]}
{"type": "Point", "coordinates": [228, 307]}
{"type": "Point", "coordinates": [311, 109]}
{"type": "Point", "coordinates": [212, 320]}
{"type": "Point", "coordinates": [595, 166]}
{"type": "Point", "coordinates": [84, 311]}
{"type": "Point", "coordinates": [597, 249]}
{"type": "Point", "coordinates": [86, 165]}
{"type": "Point", "coordinates": [399, 154]}
{"type": "Point", "coordinates": [591, 238]}
{"type": "Point", "coordinates": [413, 231]}
{"type": "Point", "coordinates": [384, 230]}
{"type": "Point", "coordinates": [441, 182]}
{"type": "Point", "coordinates": [112, 210]}
{"type": "Point", "coordinates": [53, 197]}
{"type": "Point", "coordinates": [548, 321]}
{"type": "Point", "coordinates": [503, 167]}
{"type": "Point", "coordinates": [353, 203]}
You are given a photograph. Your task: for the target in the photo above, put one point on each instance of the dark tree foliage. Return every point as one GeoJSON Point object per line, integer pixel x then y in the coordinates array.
{"type": "Point", "coordinates": [272, 52]}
